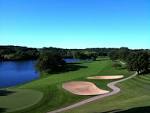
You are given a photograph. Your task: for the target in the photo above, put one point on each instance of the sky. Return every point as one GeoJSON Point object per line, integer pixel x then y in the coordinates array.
{"type": "Point", "coordinates": [75, 23]}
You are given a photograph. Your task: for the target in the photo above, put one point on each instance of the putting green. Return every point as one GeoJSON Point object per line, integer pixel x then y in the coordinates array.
{"type": "Point", "coordinates": [13, 100]}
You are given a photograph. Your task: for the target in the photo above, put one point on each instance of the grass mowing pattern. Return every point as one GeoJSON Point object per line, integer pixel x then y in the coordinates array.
{"type": "Point", "coordinates": [51, 85]}
{"type": "Point", "coordinates": [134, 98]}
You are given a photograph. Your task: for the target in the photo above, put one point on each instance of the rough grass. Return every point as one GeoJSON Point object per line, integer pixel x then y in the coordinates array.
{"type": "Point", "coordinates": [51, 85]}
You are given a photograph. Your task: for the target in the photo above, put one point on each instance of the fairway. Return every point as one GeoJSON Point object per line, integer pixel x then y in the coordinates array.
{"type": "Point", "coordinates": [55, 95]}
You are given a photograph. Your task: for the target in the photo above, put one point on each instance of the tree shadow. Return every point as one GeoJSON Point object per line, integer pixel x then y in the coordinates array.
{"type": "Point", "coordinates": [5, 92]}
{"type": "Point", "coordinates": [69, 67]}
{"type": "Point", "coordinates": [73, 67]}
{"type": "Point", "coordinates": [137, 110]}
{"type": "Point", "coordinates": [102, 59]}
{"type": "Point", "coordinates": [74, 63]}
{"type": "Point", "coordinates": [111, 111]}
{"type": "Point", "coordinates": [3, 110]}
{"type": "Point", "coordinates": [145, 72]}
{"type": "Point", "coordinates": [132, 110]}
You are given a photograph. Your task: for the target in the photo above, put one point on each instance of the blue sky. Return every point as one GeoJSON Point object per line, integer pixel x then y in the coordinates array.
{"type": "Point", "coordinates": [75, 23]}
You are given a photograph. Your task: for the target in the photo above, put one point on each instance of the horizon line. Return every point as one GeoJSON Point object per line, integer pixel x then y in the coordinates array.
{"type": "Point", "coordinates": [70, 48]}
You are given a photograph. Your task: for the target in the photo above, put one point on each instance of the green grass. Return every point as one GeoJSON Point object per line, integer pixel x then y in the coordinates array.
{"type": "Point", "coordinates": [51, 85]}
{"type": "Point", "coordinates": [134, 98]}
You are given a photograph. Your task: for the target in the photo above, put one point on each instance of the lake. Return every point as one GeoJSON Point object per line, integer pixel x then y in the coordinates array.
{"type": "Point", "coordinates": [13, 73]}
{"type": "Point", "coordinates": [71, 60]}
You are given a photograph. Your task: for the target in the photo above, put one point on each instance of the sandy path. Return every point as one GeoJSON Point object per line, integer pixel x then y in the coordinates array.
{"type": "Point", "coordinates": [111, 85]}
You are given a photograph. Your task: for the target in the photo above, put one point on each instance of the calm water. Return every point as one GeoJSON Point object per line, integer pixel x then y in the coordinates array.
{"type": "Point", "coordinates": [17, 72]}
{"type": "Point", "coordinates": [71, 60]}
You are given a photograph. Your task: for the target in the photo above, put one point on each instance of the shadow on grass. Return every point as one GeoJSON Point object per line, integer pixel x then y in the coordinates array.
{"type": "Point", "coordinates": [3, 110]}
{"type": "Point", "coordinates": [145, 72]}
{"type": "Point", "coordinates": [111, 111]}
{"type": "Point", "coordinates": [102, 59]}
{"type": "Point", "coordinates": [67, 68]}
{"type": "Point", "coordinates": [132, 110]}
{"type": "Point", "coordinates": [74, 63]}
{"type": "Point", "coordinates": [6, 92]}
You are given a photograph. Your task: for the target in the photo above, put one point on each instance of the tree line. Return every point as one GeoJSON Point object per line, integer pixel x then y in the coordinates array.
{"type": "Point", "coordinates": [24, 53]}
{"type": "Point", "coordinates": [18, 53]}
{"type": "Point", "coordinates": [137, 60]}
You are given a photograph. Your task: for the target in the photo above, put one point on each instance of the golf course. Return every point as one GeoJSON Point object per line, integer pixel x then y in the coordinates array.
{"type": "Point", "coordinates": [47, 94]}
{"type": "Point", "coordinates": [74, 56]}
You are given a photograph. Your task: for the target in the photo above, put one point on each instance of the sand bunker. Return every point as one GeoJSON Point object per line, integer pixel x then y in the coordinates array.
{"type": "Point", "coordinates": [83, 88]}
{"type": "Point", "coordinates": [112, 77]}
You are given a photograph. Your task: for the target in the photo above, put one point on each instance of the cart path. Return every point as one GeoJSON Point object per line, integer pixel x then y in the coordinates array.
{"type": "Point", "coordinates": [111, 85]}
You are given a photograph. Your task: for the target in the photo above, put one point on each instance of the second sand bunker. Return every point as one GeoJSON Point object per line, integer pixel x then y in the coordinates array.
{"type": "Point", "coordinates": [110, 77]}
